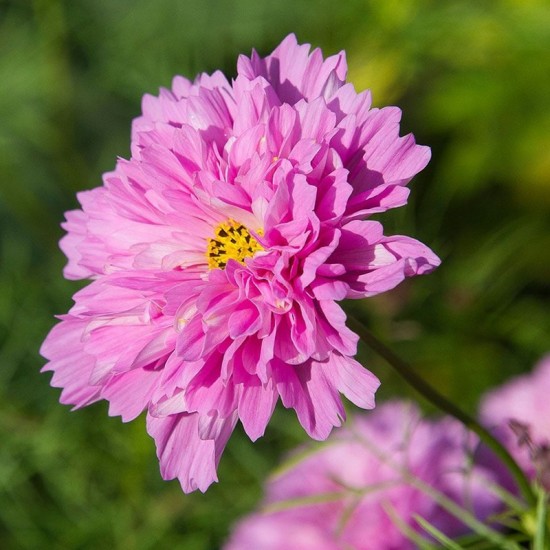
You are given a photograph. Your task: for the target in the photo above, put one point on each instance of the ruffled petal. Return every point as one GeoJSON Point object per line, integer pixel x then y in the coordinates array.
{"type": "Point", "coordinates": [72, 367]}
{"type": "Point", "coordinates": [183, 454]}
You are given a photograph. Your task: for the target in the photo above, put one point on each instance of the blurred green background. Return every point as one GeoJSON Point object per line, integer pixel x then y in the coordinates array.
{"type": "Point", "coordinates": [473, 79]}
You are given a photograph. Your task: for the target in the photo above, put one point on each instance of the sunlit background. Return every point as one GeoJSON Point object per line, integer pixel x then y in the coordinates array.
{"type": "Point", "coordinates": [473, 80]}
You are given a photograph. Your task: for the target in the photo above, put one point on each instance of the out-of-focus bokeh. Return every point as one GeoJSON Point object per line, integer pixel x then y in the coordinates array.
{"type": "Point", "coordinates": [473, 80]}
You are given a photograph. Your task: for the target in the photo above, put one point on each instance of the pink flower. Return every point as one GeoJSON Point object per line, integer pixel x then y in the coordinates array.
{"type": "Point", "coordinates": [349, 491]}
{"type": "Point", "coordinates": [280, 532]}
{"type": "Point", "coordinates": [218, 253]}
{"type": "Point", "coordinates": [519, 414]}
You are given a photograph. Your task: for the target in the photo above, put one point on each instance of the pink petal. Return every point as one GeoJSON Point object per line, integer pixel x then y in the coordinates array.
{"type": "Point", "coordinates": [256, 404]}
{"type": "Point", "coordinates": [181, 452]}
{"type": "Point", "coordinates": [353, 380]}
{"type": "Point", "coordinates": [130, 393]}
{"type": "Point", "coordinates": [71, 366]}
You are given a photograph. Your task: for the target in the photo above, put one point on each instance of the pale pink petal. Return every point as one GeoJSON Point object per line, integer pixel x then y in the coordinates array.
{"type": "Point", "coordinates": [69, 244]}
{"type": "Point", "coordinates": [71, 366]}
{"type": "Point", "coordinates": [129, 393]}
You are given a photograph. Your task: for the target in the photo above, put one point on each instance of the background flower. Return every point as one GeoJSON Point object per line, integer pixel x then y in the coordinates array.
{"type": "Point", "coordinates": [519, 414]}
{"type": "Point", "coordinates": [219, 250]}
{"type": "Point", "coordinates": [354, 487]}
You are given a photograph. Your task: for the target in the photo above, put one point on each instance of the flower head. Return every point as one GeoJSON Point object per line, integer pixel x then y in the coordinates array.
{"type": "Point", "coordinates": [519, 412]}
{"type": "Point", "coordinates": [218, 253]}
{"type": "Point", "coordinates": [364, 487]}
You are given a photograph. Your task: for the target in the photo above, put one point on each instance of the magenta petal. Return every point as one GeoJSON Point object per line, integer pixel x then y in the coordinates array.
{"type": "Point", "coordinates": [382, 279]}
{"type": "Point", "coordinates": [420, 259]}
{"type": "Point", "coordinates": [207, 394]}
{"type": "Point", "coordinates": [307, 390]}
{"type": "Point", "coordinates": [244, 321]}
{"type": "Point", "coordinates": [329, 410]}
{"type": "Point", "coordinates": [336, 332]}
{"type": "Point", "coordinates": [130, 393]}
{"type": "Point", "coordinates": [353, 380]}
{"type": "Point", "coordinates": [191, 341]}
{"type": "Point", "coordinates": [181, 452]}
{"type": "Point", "coordinates": [256, 405]}
{"type": "Point", "coordinates": [293, 395]}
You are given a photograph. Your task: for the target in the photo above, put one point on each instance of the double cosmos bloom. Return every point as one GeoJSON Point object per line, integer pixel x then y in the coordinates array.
{"type": "Point", "coordinates": [217, 255]}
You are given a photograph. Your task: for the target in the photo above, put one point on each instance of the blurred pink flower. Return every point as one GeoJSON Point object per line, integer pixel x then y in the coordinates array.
{"type": "Point", "coordinates": [281, 532]}
{"type": "Point", "coordinates": [348, 491]}
{"type": "Point", "coordinates": [519, 414]}
{"type": "Point", "coordinates": [218, 252]}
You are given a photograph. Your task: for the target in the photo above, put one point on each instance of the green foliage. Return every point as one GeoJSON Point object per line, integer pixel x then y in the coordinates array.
{"type": "Point", "coordinates": [472, 79]}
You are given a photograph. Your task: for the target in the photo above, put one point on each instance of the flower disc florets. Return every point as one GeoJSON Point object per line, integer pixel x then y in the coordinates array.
{"type": "Point", "coordinates": [203, 329]}
{"type": "Point", "coordinates": [232, 241]}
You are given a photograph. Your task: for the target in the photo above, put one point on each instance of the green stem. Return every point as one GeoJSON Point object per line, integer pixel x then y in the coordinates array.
{"type": "Point", "coordinates": [441, 402]}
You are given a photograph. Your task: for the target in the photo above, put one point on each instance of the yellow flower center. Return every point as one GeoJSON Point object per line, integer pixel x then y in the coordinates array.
{"type": "Point", "coordinates": [232, 241]}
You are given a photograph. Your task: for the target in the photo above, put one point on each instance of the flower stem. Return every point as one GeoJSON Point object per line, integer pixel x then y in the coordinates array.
{"type": "Point", "coordinates": [442, 403]}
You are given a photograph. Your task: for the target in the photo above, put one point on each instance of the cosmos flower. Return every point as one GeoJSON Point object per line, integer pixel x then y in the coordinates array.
{"type": "Point", "coordinates": [219, 251]}
{"type": "Point", "coordinates": [280, 532]}
{"type": "Point", "coordinates": [363, 487]}
{"type": "Point", "coordinates": [518, 412]}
